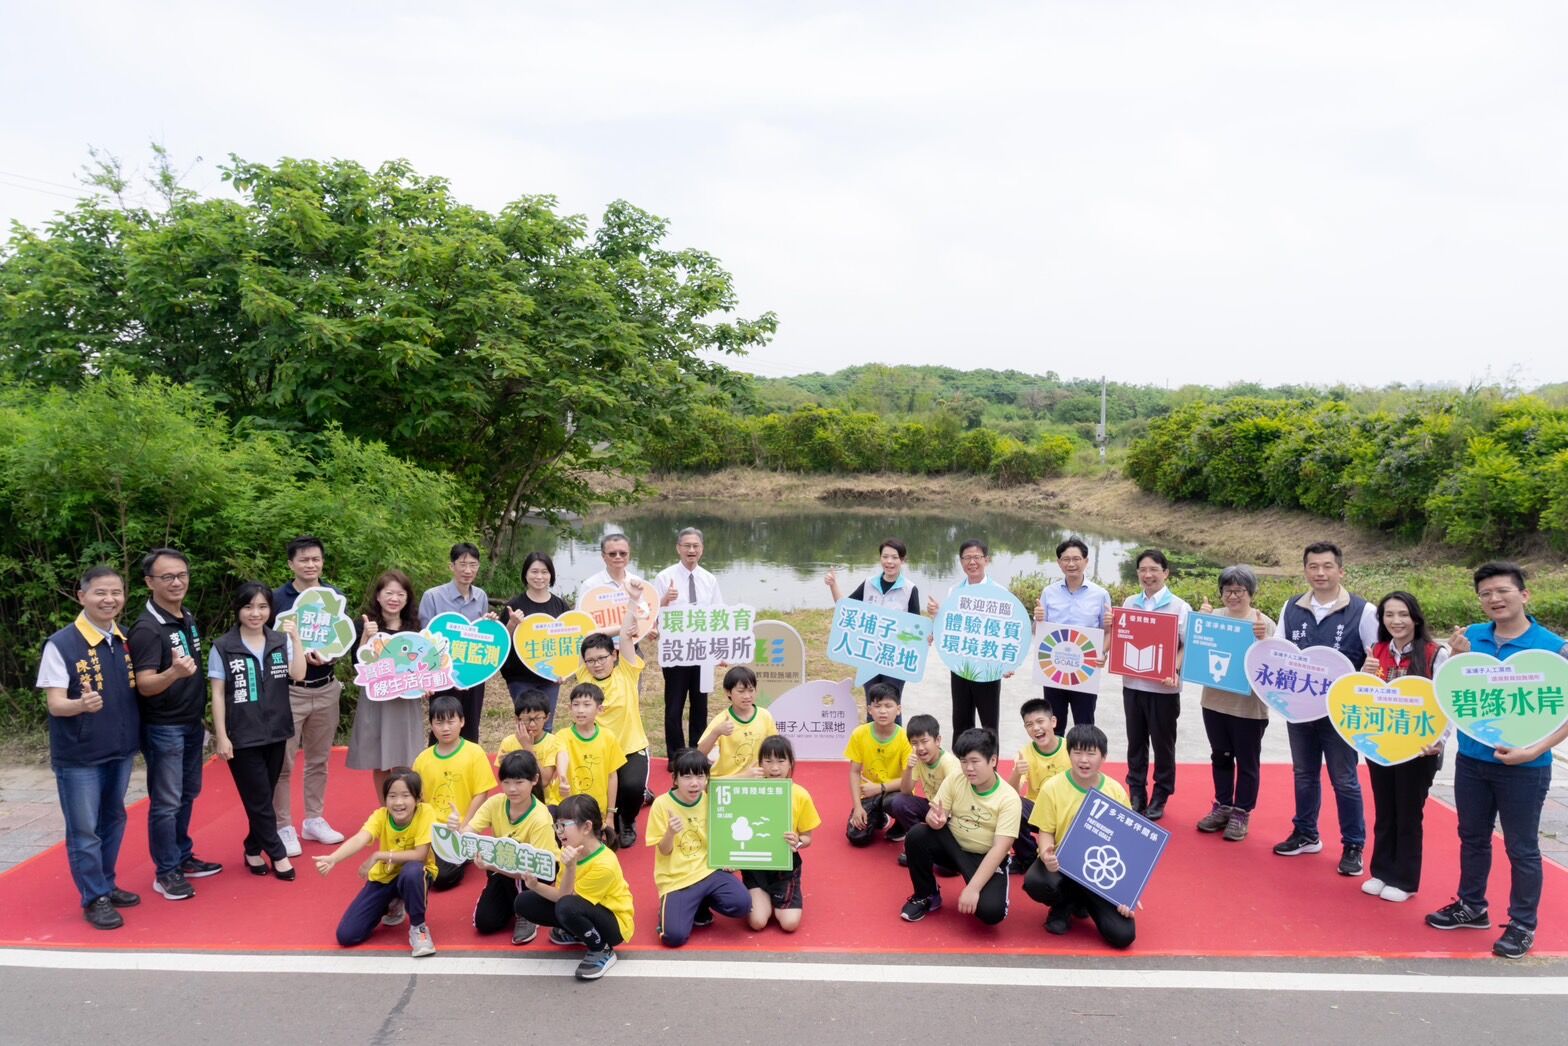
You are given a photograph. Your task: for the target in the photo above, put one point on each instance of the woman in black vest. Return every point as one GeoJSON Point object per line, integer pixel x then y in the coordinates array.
{"type": "Point", "coordinates": [250, 668]}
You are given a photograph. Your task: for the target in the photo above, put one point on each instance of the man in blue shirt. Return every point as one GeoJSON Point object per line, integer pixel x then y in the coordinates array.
{"type": "Point", "coordinates": [1501, 784]}
{"type": "Point", "coordinates": [1079, 602]}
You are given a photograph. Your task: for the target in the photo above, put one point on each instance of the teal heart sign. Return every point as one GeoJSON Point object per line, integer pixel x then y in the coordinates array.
{"type": "Point", "coordinates": [1509, 704]}
{"type": "Point", "coordinates": [478, 648]}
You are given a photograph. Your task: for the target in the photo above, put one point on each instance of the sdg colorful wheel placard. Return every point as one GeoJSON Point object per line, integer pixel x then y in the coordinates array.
{"type": "Point", "coordinates": [552, 646]}
{"type": "Point", "coordinates": [477, 648]}
{"type": "Point", "coordinates": [1069, 658]}
{"type": "Point", "coordinates": [1295, 682]}
{"type": "Point", "coordinates": [1389, 722]}
{"type": "Point", "coordinates": [1512, 703]}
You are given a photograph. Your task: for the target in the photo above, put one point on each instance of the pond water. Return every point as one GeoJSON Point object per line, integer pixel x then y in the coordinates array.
{"type": "Point", "coordinates": [775, 557]}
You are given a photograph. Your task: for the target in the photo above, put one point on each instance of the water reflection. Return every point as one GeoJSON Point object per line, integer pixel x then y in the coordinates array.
{"type": "Point", "coordinates": [776, 557]}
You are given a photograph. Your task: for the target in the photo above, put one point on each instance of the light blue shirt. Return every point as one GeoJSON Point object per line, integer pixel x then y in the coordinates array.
{"type": "Point", "coordinates": [1084, 608]}
{"type": "Point", "coordinates": [1483, 640]}
{"type": "Point", "coordinates": [445, 599]}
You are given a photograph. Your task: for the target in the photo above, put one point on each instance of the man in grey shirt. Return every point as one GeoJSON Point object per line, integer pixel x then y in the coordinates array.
{"type": "Point", "coordinates": [461, 596]}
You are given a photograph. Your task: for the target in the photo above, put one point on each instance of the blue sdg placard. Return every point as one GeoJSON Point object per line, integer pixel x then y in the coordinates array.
{"type": "Point", "coordinates": [1217, 652]}
{"type": "Point", "coordinates": [1111, 850]}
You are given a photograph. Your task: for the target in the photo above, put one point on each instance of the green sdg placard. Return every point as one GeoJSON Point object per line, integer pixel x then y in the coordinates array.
{"type": "Point", "coordinates": [324, 627]}
{"type": "Point", "coordinates": [747, 819]}
{"type": "Point", "coordinates": [1512, 703]}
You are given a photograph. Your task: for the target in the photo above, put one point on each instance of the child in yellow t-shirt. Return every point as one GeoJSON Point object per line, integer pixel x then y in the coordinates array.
{"type": "Point", "coordinates": [590, 902]}
{"type": "Point", "coordinates": [1055, 806]}
{"type": "Point", "coordinates": [777, 894]}
{"type": "Point", "coordinates": [678, 831]}
{"type": "Point", "coordinates": [397, 873]}
{"type": "Point", "coordinates": [517, 813]}
{"type": "Point", "coordinates": [877, 752]}
{"type": "Point", "coordinates": [740, 729]}
{"type": "Point", "coordinates": [1037, 762]}
{"type": "Point", "coordinates": [617, 670]}
{"type": "Point", "coordinates": [928, 766]}
{"type": "Point", "coordinates": [532, 712]}
{"type": "Point", "coordinates": [593, 753]}
{"type": "Point", "coordinates": [456, 774]}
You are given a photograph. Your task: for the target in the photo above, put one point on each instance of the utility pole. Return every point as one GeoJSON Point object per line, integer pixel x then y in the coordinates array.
{"type": "Point", "coordinates": [1099, 436]}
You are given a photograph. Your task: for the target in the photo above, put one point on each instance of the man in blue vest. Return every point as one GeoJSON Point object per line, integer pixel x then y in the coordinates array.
{"type": "Point", "coordinates": [1501, 784]}
{"type": "Point", "coordinates": [1328, 616]}
{"type": "Point", "coordinates": [94, 732]}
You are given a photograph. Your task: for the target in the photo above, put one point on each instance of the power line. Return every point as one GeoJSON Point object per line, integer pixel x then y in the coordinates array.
{"type": "Point", "coordinates": [41, 181]}
{"type": "Point", "coordinates": [46, 192]}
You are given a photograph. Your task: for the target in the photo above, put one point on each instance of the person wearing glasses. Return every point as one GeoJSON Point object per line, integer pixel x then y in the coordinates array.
{"type": "Point", "coordinates": [616, 551]}
{"type": "Point", "coordinates": [1079, 602]}
{"type": "Point", "coordinates": [688, 584]}
{"type": "Point", "coordinates": [972, 698]}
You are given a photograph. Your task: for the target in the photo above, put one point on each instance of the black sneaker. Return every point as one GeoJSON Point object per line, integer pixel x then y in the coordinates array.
{"type": "Point", "coordinates": [628, 840]}
{"type": "Point", "coordinates": [1299, 844]}
{"type": "Point", "coordinates": [174, 887]}
{"type": "Point", "coordinates": [1350, 860]}
{"type": "Point", "coordinates": [1514, 942]}
{"type": "Point", "coordinates": [1459, 916]}
{"type": "Point", "coordinates": [595, 965]}
{"type": "Point", "coordinates": [704, 917]}
{"type": "Point", "coordinates": [124, 898]}
{"type": "Point", "coordinates": [1058, 920]}
{"type": "Point", "coordinates": [903, 860]}
{"type": "Point", "coordinates": [917, 908]}
{"type": "Point", "coordinates": [897, 834]}
{"type": "Point", "coordinates": [196, 868]}
{"type": "Point", "coordinates": [564, 939]}
{"type": "Point", "coordinates": [1155, 810]}
{"type": "Point", "coordinates": [102, 916]}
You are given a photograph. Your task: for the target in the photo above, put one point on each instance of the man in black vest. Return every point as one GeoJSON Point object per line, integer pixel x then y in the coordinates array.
{"type": "Point", "coordinates": [1328, 616]}
{"type": "Point", "coordinates": [94, 726]}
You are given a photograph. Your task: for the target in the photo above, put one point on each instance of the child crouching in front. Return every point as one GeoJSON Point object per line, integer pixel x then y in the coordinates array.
{"type": "Point", "coordinates": [678, 831]}
{"type": "Point", "coordinates": [517, 814]}
{"type": "Point", "coordinates": [777, 894]}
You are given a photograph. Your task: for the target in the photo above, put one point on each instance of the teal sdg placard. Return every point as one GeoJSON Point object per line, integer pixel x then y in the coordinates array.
{"type": "Point", "coordinates": [477, 648]}
{"type": "Point", "coordinates": [1510, 704]}
{"type": "Point", "coordinates": [983, 632]}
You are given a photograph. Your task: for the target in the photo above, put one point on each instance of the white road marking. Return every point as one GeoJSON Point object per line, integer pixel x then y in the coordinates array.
{"type": "Point", "coordinates": [739, 970]}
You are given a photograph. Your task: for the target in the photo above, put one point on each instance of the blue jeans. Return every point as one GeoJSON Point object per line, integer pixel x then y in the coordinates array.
{"type": "Point", "coordinates": [1311, 746]}
{"type": "Point", "coordinates": [174, 757]}
{"type": "Point", "coordinates": [93, 801]}
{"type": "Point", "coordinates": [1486, 793]}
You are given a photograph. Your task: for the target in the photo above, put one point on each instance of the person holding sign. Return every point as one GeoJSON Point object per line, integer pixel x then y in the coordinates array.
{"type": "Point", "coordinates": [1055, 807]}
{"type": "Point", "coordinates": [1235, 722]}
{"type": "Point", "coordinates": [1326, 615]}
{"type": "Point", "coordinates": [461, 596]}
{"type": "Point", "coordinates": [316, 702]}
{"type": "Point", "coordinates": [1152, 708]}
{"type": "Point", "coordinates": [890, 589]}
{"type": "Point", "coordinates": [971, 826]}
{"type": "Point", "coordinates": [689, 892]}
{"type": "Point", "coordinates": [777, 895]}
{"type": "Point", "coordinates": [89, 686]}
{"type": "Point", "coordinates": [517, 813]}
{"type": "Point", "coordinates": [386, 734]}
{"type": "Point", "coordinates": [972, 698]}
{"type": "Point", "coordinates": [536, 598]}
{"type": "Point", "coordinates": [687, 584]}
{"type": "Point", "coordinates": [1076, 601]}
{"type": "Point", "coordinates": [1404, 648]}
{"type": "Point", "coordinates": [456, 775]}
{"type": "Point", "coordinates": [739, 730]}
{"type": "Point", "coordinates": [1501, 784]}
{"type": "Point", "coordinates": [617, 673]}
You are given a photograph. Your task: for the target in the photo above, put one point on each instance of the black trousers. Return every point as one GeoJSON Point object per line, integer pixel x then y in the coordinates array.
{"type": "Point", "coordinates": [1151, 723]}
{"type": "Point", "coordinates": [1053, 889]}
{"type": "Point", "coordinates": [495, 908]}
{"type": "Point", "coordinates": [447, 875]}
{"type": "Point", "coordinates": [632, 782]}
{"type": "Point", "coordinates": [878, 809]}
{"type": "Point", "coordinates": [971, 699]}
{"type": "Point", "coordinates": [683, 683]}
{"type": "Point", "coordinates": [255, 772]}
{"type": "Point", "coordinates": [1236, 752]}
{"type": "Point", "coordinates": [927, 847]}
{"type": "Point", "coordinates": [582, 919]}
{"type": "Point", "coordinates": [1398, 802]}
{"type": "Point", "coordinates": [1081, 705]}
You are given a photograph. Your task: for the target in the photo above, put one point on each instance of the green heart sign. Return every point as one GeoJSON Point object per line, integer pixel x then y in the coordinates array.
{"type": "Point", "coordinates": [477, 648]}
{"type": "Point", "coordinates": [324, 626]}
{"type": "Point", "coordinates": [1512, 703]}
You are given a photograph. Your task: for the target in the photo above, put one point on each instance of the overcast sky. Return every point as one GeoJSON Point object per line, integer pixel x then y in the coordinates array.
{"type": "Point", "coordinates": [1160, 191]}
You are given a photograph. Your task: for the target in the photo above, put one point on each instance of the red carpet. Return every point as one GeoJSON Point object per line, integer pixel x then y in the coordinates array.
{"type": "Point", "coordinates": [1209, 897]}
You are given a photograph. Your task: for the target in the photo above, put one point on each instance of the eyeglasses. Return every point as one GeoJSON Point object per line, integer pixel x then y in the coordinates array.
{"type": "Point", "coordinates": [690, 546]}
{"type": "Point", "coordinates": [602, 659]}
{"type": "Point", "coordinates": [622, 554]}
{"type": "Point", "coordinates": [1228, 591]}
{"type": "Point", "coordinates": [561, 826]}
{"type": "Point", "coordinates": [971, 559]}
{"type": "Point", "coordinates": [534, 717]}
{"type": "Point", "coordinates": [169, 579]}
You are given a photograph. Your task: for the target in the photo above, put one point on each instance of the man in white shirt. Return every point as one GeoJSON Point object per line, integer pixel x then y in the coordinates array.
{"type": "Point", "coordinates": [616, 551]}
{"type": "Point", "coordinates": [686, 583]}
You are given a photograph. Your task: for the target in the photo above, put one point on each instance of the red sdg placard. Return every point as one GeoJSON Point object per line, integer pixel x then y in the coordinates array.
{"type": "Point", "coordinates": [1143, 644]}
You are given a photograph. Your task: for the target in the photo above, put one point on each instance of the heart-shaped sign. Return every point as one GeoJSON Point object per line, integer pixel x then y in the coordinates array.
{"type": "Point", "coordinates": [1295, 682]}
{"type": "Point", "coordinates": [477, 647]}
{"type": "Point", "coordinates": [608, 604]}
{"type": "Point", "coordinates": [1512, 703]}
{"type": "Point", "coordinates": [552, 646]}
{"type": "Point", "coordinates": [1389, 722]}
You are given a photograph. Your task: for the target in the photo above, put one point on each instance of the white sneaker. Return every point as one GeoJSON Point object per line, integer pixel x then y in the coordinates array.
{"type": "Point", "coordinates": [318, 829]}
{"type": "Point", "coordinates": [419, 941]}
{"type": "Point", "coordinates": [1373, 887]}
{"type": "Point", "coordinates": [396, 913]}
{"type": "Point", "coordinates": [290, 841]}
{"type": "Point", "coordinates": [1394, 893]}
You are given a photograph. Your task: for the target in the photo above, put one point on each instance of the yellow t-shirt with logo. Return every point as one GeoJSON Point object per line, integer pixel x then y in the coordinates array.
{"type": "Point", "coordinates": [803, 811]}
{"type": "Point", "coordinates": [591, 761]}
{"type": "Point", "coordinates": [977, 818]}
{"type": "Point", "coordinates": [1040, 767]}
{"type": "Point", "coordinates": [451, 781]}
{"type": "Point", "coordinates": [930, 776]}
{"type": "Point", "coordinates": [601, 881]}
{"type": "Point", "coordinates": [738, 749]}
{"type": "Point", "coordinates": [547, 751]}
{"type": "Point", "coordinates": [386, 834]}
{"type": "Point", "coordinates": [622, 712]}
{"type": "Point", "coordinates": [881, 762]}
{"type": "Point", "coordinates": [687, 861]}
{"type": "Point", "coordinates": [1058, 801]}
{"type": "Point", "coordinates": [533, 825]}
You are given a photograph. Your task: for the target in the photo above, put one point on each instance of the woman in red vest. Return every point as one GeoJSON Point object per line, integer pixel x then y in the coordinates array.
{"type": "Point", "coordinates": [1404, 648]}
